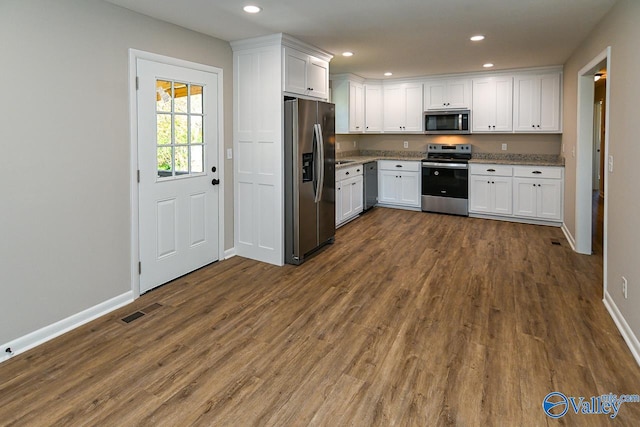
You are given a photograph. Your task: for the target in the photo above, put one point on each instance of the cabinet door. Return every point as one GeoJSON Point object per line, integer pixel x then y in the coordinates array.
{"type": "Point", "coordinates": [409, 188]}
{"type": "Point", "coordinates": [338, 202]}
{"type": "Point", "coordinates": [483, 112]}
{"type": "Point", "coordinates": [435, 95]}
{"type": "Point", "coordinates": [388, 187]}
{"type": "Point", "coordinates": [357, 194]}
{"type": "Point", "coordinates": [346, 200]}
{"type": "Point", "coordinates": [502, 189]}
{"type": "Point", "coordinates": [526, 108]}
{"type": "Point", "coordinates": [393, 108]}
{"type": "Point", "coordinates": [295, 71]}
{"type": "Point", "coordinates": [318, 78]}
{"type": "Point", "coordinates": [479, 193]}
{"type": "Point", "coordinates": [458, 93]}
{"type": "Point", "coordinates": [549, 201]}
{"type": "Point", "coordinates": [413, 107]}
{"type": "Point", "coordinates": [550, 103]}
{"type": "Point", "coordinates": [373, 108]}
{"type": "Point", "coordinates": [356, 107]}
{"type": "Point", "coordinates": [525, 194]}
{"type": "Point", "coordinates": [503, 104]}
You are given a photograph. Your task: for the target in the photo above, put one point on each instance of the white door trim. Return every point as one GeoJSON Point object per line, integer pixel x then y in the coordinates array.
{"type": "Point", "coordinates": [134, 55]}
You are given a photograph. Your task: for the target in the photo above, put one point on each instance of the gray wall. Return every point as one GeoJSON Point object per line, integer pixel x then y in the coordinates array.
{"type": "Point", "coordinates": [65, 214]}
{"type": "Point", "coordinates": [621, 31]}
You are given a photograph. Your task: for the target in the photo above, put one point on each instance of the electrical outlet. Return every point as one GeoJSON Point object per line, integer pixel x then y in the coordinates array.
{"type": "Point", "coordinates": [406, 144]}
{"type": "Point", "coordinates": [563, 147]}
{"type": "Point", "coordinates": [354, 144]}
{"type": "Point", "coordinates": [504, 147]}
{"type": "Point", "coordinates": [624, 287]}
{"type": "Point", "coordinates": [337, 145]}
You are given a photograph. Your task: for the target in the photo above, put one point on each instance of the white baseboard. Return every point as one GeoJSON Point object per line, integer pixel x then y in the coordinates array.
{"type": "Point", "coordinates": [624, 328]}
{"type": "Point", "coordinates": [29, 341]}
{"type": "Point", "coordinates": [570, 238]}
{"type": "Point", "coordinates": [229, 253]}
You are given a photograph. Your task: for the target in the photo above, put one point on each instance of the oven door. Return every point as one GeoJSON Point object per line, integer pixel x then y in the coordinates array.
{"type": "Point", "coordinates": [445, 187]}
{"type": "Point", "coordinates": [445, 180]}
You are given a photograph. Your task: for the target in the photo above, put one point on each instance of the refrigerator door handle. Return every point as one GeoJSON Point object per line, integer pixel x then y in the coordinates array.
{"type": "Point", "coordinates": [317, 130]}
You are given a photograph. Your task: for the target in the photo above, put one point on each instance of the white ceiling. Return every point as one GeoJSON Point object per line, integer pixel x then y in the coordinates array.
{"type": "Point", "coordinates": [407, 37]}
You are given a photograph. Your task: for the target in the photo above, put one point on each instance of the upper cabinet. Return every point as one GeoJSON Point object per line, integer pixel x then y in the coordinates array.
{"type": "Point", "coordinates": [536, 103]}
{"type": "Point", "coordinates": [373, 108]}
{"type": "Point", "coordinates": [348, 95]}
{"type": "Point", "coordinates": [492, 104]}
{"type": "Point", "coordinates": [443, 94]}
{"type": "Point", "coordinates": [305, 74]}
{"type": "Point", "coordinates": [402, 109]}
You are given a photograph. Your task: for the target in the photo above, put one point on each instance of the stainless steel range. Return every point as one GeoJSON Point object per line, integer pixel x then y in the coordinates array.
{"type": "Point", "coordinates": [445, 179]}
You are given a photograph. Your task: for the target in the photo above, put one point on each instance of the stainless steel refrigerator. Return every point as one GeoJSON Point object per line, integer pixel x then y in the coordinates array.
{"type": "Point", "coordinates": [309, 153]}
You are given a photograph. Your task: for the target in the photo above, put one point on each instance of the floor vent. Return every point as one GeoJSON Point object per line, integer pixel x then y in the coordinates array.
{"type": "Point", "coordinates": [151, 308]}
{"type": "Point", "coordinates": [130, 318]}
{"type": "Point", "coordinates": [556, 242]}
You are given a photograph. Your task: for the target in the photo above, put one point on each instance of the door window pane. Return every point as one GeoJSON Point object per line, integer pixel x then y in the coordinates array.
{"type": "Point", "coordinates": [179, 129]}
{"type": "Point", "coordinates": [163, 95]}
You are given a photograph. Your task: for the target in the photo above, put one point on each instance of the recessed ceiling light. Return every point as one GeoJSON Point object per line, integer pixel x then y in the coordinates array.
{"type": "Point", "coordinates": [252, 9]}
{"type": "Point", "coordinates": [477, 38]}
{"type": "Point", "coordinates": [347, 53]}
{"type": "Point", "coordinates": [488, 65]}
{"type": "Point", "coordinates": [388, 74]}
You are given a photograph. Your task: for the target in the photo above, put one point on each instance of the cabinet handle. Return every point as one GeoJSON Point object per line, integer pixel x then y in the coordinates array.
{"type": "Point", "coordinates": [494, 126]}
{"type": "Point", "coordinates": [538, 125]}
{"type": "Point", "coordinates": [398, 166]}
{"type": "Point", "coordinates": [346, 173]}
{"type": "Point", "coordinates": [357, 170]}
{"type": "Point", "coordinates": [491, 170]}
{"type": "Point", "coordinates": [309, 88]}
{"type": "Point", "coordinates": [537, 172]}
{"type": "Point", "coordinates": [353, 183]}
{"type": "Point", "coordinates": [533, 126]}
{"type": "Point", "coordinates": [493, 182]}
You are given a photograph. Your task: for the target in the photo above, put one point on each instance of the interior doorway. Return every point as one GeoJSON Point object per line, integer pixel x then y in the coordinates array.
{"type": "Point", "coordinates": [586, 214]}
{"type": "Point", "coordinates": [599, 133]}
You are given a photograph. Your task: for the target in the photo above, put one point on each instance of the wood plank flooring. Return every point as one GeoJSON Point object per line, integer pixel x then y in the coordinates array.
{"type": "Point", "coordinates": [409, 319]}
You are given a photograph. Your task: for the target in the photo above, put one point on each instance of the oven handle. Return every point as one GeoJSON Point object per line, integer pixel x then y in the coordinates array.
{"type": "Point", "coordinates": [446, 165]}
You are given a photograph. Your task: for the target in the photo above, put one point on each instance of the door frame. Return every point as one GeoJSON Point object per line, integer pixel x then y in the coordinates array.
{"type": "Point", "coordinates": [584, 160]}
{"type": "Point", "coordinates": [134, 55]}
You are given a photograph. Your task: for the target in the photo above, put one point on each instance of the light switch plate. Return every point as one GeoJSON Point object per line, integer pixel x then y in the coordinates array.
{"type": "Point", "coordinates": [504, 147]}
{"type": "Point", "coordinates": [229, 153]}
{"type": "Point", "coordinates": [610, 164]}
{"type": "Point", "coordinates": [406, 144]}
{"type": "Point", "coordinates": [337, 145]}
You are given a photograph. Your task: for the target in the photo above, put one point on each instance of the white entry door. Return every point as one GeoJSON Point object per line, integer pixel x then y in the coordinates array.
{"type": "Point", "coordinates": [177, 110]}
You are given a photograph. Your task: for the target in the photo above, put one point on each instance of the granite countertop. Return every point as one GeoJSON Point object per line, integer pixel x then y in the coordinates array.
{"type": "Point", "coordinates": [518, 159]}
{"type": "Point", "coordinates": [359, 158]}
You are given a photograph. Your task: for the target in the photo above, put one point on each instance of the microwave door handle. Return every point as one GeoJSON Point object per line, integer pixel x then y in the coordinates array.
{"type": "Point", "coordinates": [459, 121]}
{"type": "Point", "coordinates": [317, 131]}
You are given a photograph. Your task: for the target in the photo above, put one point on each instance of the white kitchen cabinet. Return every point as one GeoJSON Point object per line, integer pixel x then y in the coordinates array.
{"type": "Point", "coordinates": [372, 108]}
{"type": "Point", "coordinates": [348, 97]}
{"type": "Point", "coordinates": [492, 104]}
{"type": "Point", "coordinates": [402, 108]}
{"type": "Point", "coordinates": [536, 103]}
{"type": "Point", "coordinates": [443, 94]}
{"type": "Point", "coordinates": [399, 183]}
{"type": "Point", "coordinates": [349, 193]}
{"type": "Point", "coordinates": [305, 74]}
{"type": "Point", "coordinates": [490, 189]}
{"type": "Point", "coordinates": [538, 192]}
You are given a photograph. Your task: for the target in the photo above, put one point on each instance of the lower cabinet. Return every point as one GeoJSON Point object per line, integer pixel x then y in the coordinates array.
{"type": "Point", "coordinates": [399, 183]}
{"type": "Point", "coordinates": [528, 193]}
{"type": "Point", "coordinates": [349, 193]}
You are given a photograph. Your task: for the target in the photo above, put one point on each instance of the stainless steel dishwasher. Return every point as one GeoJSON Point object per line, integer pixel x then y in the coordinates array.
{"type": "Point", "coordinates": [370, 185]}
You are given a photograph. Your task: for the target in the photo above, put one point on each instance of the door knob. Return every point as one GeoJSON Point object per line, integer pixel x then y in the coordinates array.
{"type": "Point", "coordinates": [215, 181]}
{"type": "Point", "coordinates": [213, 169]}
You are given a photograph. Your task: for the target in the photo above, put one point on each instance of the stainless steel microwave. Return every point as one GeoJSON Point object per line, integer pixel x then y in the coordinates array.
{"type": "Point", "coordinates": [447, 122]}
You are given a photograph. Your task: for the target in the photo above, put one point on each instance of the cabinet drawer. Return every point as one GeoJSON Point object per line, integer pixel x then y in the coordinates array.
{"type": "Point", "coordinates": [492, 170]}
{"type": "Point", "coordinates": [537, 172]}
{"type": "Point", "coordinates": [399, 165]}
{"type": "Point", "coordinates": [349, 172]}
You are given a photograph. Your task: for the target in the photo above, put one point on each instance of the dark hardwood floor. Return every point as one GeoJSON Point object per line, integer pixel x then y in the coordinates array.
{"type": "Point", "coordinates": [409, 319]}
